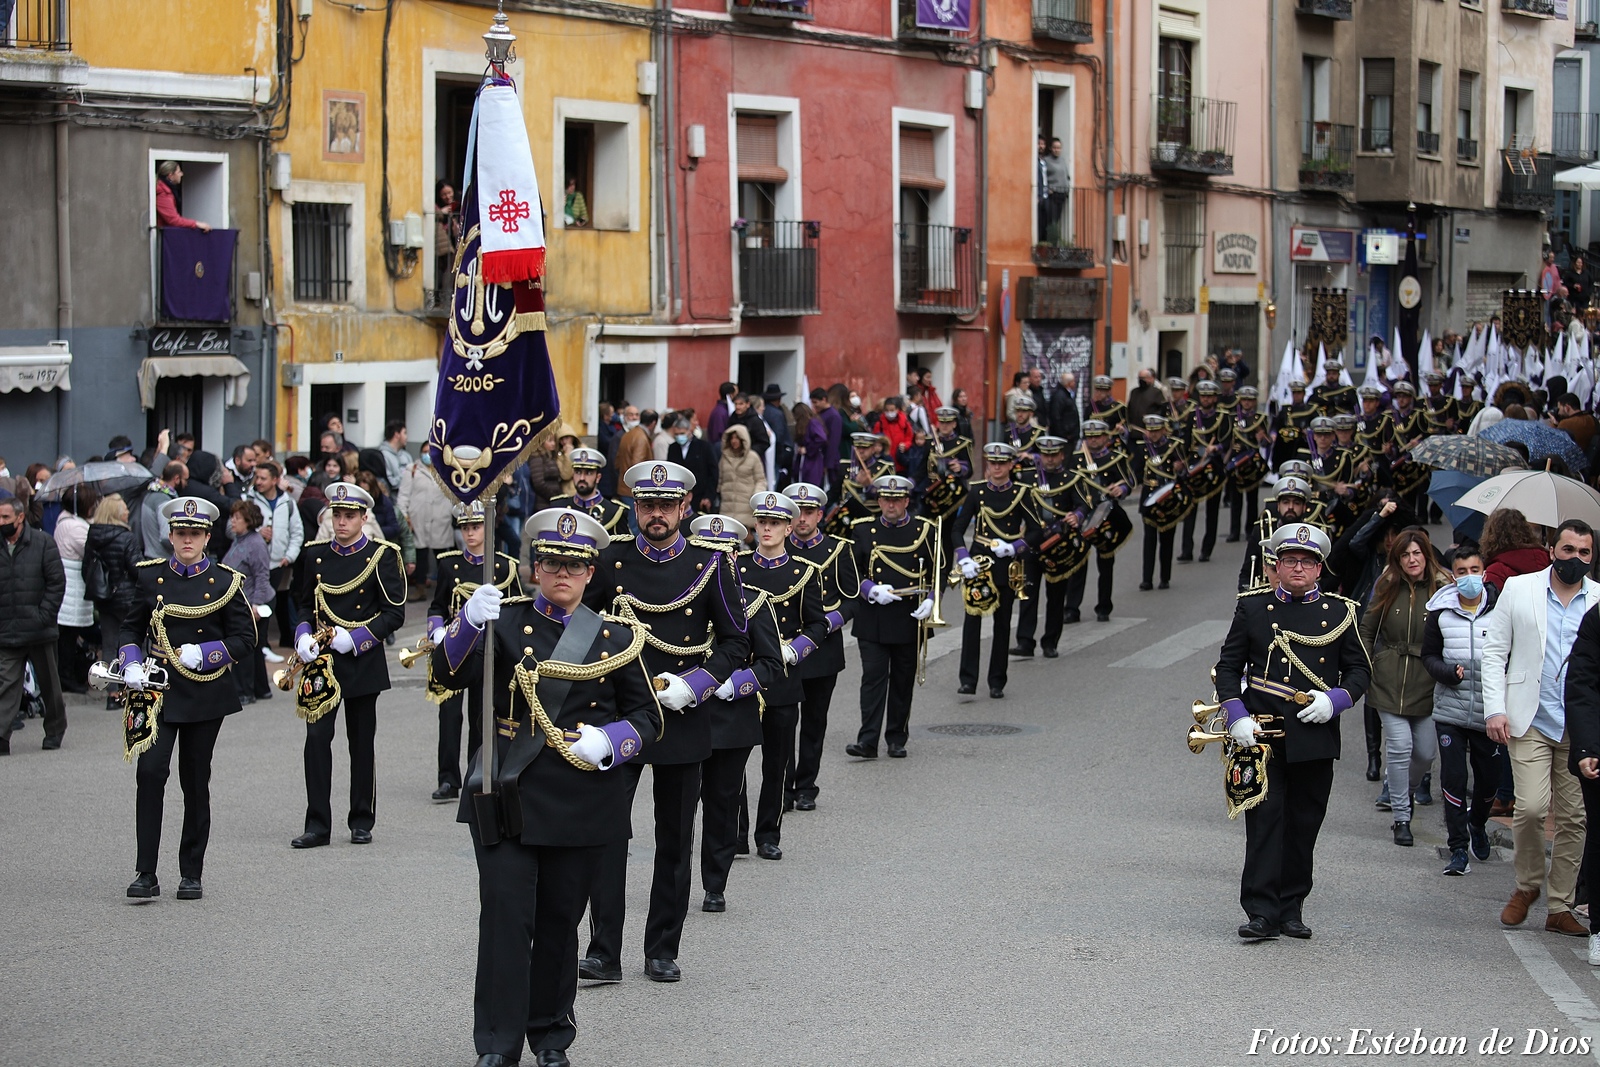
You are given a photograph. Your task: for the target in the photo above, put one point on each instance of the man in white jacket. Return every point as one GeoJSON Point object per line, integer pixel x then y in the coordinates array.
{"type": "Point", "coordinates": [1524, 677]}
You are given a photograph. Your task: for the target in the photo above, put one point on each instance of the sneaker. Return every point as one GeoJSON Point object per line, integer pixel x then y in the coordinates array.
{"type": "Point", "coordinates": [1480, 841]}
{"type": "Point", "coordinates": [269, 655]}
{"type": "Point", "coordinates": [1458, 863]}
{"type": "Point", "coordinates": [1424, 793]}
{"type": "Point", "coordinates": [1382, 803]}
{"type": "Point", "coordinates": [1594, 950]}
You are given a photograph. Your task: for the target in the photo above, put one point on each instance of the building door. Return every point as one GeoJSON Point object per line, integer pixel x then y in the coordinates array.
{"type": "Point", "coordinates": [1237, 326]}
{"type": "Point", "coordinates": [1174, 83]}
{"type": "Point", "coordinates": [1174, 361]}
{"type": "Point", "coordinates": [325, 399]}
{"type": "Point", "coordinates": [179, 404]}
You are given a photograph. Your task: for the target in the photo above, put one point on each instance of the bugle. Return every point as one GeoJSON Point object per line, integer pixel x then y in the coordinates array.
{"type": "Point", "coordinates": [409, 656]}
{"type": "Point", "coordinates": [104, 675]}
{"type": "Point", "coordinates": [286, 678]}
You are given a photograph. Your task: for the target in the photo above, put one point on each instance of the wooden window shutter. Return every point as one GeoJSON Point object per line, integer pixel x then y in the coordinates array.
{"type": "Point", "coordinates": [1425, 73]}
{"type": "Point", "coordinates": [758, 149]}
{"type": "Point", "coordinates": [917, 168]}
{"type": "Point", "coordinates": [1380, 76]}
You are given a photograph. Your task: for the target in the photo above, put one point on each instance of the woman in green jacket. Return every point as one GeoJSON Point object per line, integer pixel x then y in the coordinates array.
{"type": "Point", "coordinates": [1402, 690]}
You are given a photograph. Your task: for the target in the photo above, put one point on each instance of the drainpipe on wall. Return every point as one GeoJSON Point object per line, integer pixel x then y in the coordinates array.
{"type": "Point", "coordinates": [1111, 165]}
{"type": "Point", "coordinates": [1271, 250]}
{"type": "Point", "coordinates": [267, 387]}
{"type": "Point", "coordinates": [669, 163]}
{"type": "Point", "coordinates": [63, 273]}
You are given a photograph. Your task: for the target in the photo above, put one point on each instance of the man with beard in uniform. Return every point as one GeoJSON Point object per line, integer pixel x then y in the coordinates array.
{"type": "Point", "coordinates": [1290, 505]}
{"type": "Point", "coordinates": [1007, 529]}
{"type": "Point", "coordinates": [1104, 474]}
{"type": "Point", "coordinates": [460, 574]}
{"type": "Point", "coordinates": [897, 557]}
{"type": "Point", "coordinates": [1333, 396]}
{"type": "Point", "coordinates": [1056, 502]}
{"type": "Point", "coordinates": [588, 465]}
{"type": "Point", "coordinates": [1207, 432]}
{"type": "Point", "coordinates": [1157, 463]}
{"type": "Point", "coordinates": [688, 599]}
{"type": "Point", "coordinates": [358, 587]}
{"type": "Point", "coordinates": [1293, 653]}
{"type": "Point", "coordinates": [840, 585]}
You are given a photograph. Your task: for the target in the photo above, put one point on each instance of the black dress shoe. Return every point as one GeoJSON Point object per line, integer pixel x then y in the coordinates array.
{"type": "Point", "coordinates": [996, 692]}
{"type": "Point", "coordinates": [5, 746]}
{"type": "Point", "coordinates": [897, 752]}
{"type": "Point", "coordinates": [1145, 587]}
{"type": "Point", "coordinates": [1231, 539]}
{"type": "Point", "coordinates": [1102, 616]}
{"type": "Point", "coordinates": [189, 889]}
{"type": "Point", "coordinates": [1374, 767]}
{"type": "Point", "coordinates": [742, 848]}
{"type": "Point", "coordinates": [1021, 652]}
{"type": "Point", "coordinates": [446, 791]}
{"type": "Point", "coordinates": [768, 851]}
{"type": "Point", "coordinates": [1402, 834]}
{"type": "Point", "coordinates": [494, 1059]}
{"type": "Point", "coordinates": [1258, 929]}
{"type": "Point", "coordinates": [1050, 653]}
{"type": "Point", "coordinates": [309, 841]}
{"type": "Point", "coordinates": [860, 752]}
{"type": "Point", "coordinates": [1164, 585]}
{"type": "Point", "coordinates": [1186, 558]}
{"type": "Point", "coordinates": [1296, 928]}
{"type": "Point", "coordinates": [1072, 616]}
{"type": "Point", "coordinates": [361, 837]}
{"type": "Point", "coordinates": [553, 1057]}
{"type": "Point", "coordinates": [145, 886]}
{"type": "Point", "coordinates": [590, 969]}
{"type": "Point", "coordinates": [1205, 557]}
{"type": "Point", "coordinates": [51, 742]}
{"type": "Point", "coordinates": [662, 970]}
{"type": "Point", "coordinates": [805, 804]}
{"type": "Point", "coordinates": [966, 690]}
{"type": "Point", "coordinates": [714, 902]}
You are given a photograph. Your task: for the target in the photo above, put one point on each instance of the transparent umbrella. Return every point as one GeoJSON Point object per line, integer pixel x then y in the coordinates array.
{"type": "Point", "coordinates": [104, 478]}
{"type": "Point", "coordinates": [1546, 499]}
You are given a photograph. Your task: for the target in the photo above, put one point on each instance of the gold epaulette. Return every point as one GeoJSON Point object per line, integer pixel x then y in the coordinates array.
{"type": "Point", "coordinates": [1255, 591]}
{"type": "Point", "coordinates": [447, 555]}
{"type": "Point", "coordinates": [320, 541]}
{"type": "Point", "coordinates": [230, 570]}
{"type": "Point", "coordinates": [1335, 596]}
{"type": "Point", "coordinates": [864, 518]}
{"type": "Point", "coordinates": [715, 544]}
{"type": "Point", "coordinates": [151, 562]}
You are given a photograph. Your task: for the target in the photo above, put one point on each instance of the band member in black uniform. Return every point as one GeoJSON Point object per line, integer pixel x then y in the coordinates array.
{"type": "Point", "coordinates": [950, 466]}
{"type": "Point", "coordinates": [1104, 474]}
{"type": "Point", "coordinates": [1023, 435]}
{"type": "Point", "coordinates": [1410, 427]}
{"type": "Point", "coordinates": [1227, 390]}
{"type": "Point", "coordinates": [1360, 463]}
{"type": "Point", "coordinates": [1106, 408]}
{"type": "Point", "coordinates": [194, 614]}
{"type": "Point", "coordinates": [1293, 653]}
{"type": "Point", "coordinates": [591, 702]}
{"type": "Point", "coordinates": [1290, 505]}
{"type": "Point", "coordinates": [1467, 406]}
{"type": "Point", "coordinates": [1290, 424]}
{"type": "Point", "coordinates": [1246, 464]}
{"type": "Point", "coordinates": [358, 587]}
{"type": "Point", "coordinates": [1442, 414]}
{"type": "Point", "coordinates": [856, 499]}
{"type": "Point", "coordinates": [840, 585]}
{"type": "Point", "coordinates": [1333, 396]}
{"type": "Point", "coordinates": [588, 465]}
{"type": "Point", "coordinates": [1375, 426]}
{"type": "Point", "coordinates": [688, 598]}
{"type": "Point", "coordinates": [1007, 529]}
{"type": "Point", "coordinates": [1207, 433]}
{"type": "Point", "coordinates": [1180, 406]}
{"type": "Point", "coordinates": [460, 574]}
{"type": "Point", "coordinates": [1160, 466]}
{"type": "Point", "coordinates": [1056, 502]}
{"type": "Point", "coordinates": [898, 558]}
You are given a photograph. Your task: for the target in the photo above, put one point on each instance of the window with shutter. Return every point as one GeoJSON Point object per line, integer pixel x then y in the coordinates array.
{"type": "Point", "coordinates": [917, 166]}
{"type": "Point", "coordinates": [1377, 113]}
{"type": "Point", "coordinates": [758, 149]}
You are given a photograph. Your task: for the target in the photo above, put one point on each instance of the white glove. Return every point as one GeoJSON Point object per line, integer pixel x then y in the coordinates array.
{"type": "Point", "coordinates": [482, 606]}
{"type": "Point", "coordinates": [264, 611]}
{"type": "Point", "coordinates": [969, 567]}
{"type": "Point", "coordinates": [790, 656]}
{"type": "Point", "coordinates": [133, 676]}
{"type": "Point", "coordinates": [306, 648]}
{"type": "Point", "coordinates": [189, 656]}
{"type": "Point", "coordinates": [1244, 731]}
{"type": "Point", "coordinates": [882, 594]}
{"type": "Point", "coordinates": [677, 695]}
{"type": "Point", "coordinates": [1002, 549]}
{"type": "Point", "coordinates": [342, 641]}
{"type": "Point", "coordinates": [592, 746]}
{"type": "Point", "coordinates": [1320, 710]}
{"type": "Point", "coordinates": [725, 690]}
{"type": "Point", "coordinates": [923, 610]}
{"type": "Point", "coordinates": [437, 637]}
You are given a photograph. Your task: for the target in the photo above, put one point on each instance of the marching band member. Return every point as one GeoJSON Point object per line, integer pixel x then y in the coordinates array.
{"type": "Point", "coordinates": [1293, 653]}
{"type": "Point", "coordinates": [1105, 477]}
{"type": "Point", "coordinates": [1206, 433]}
{"type": "Point", "coordinates": [195, 615]}
{"type": "Point", "coordinates": [572, 680]}
{"type": "Point", "coordinates": [587, 466]}
{"type": "Point", "coordinates": [1441, 412]}
{"type": "Point", "coordinates": [1023, 435]}
{"type": "Point", "coordinates": [856, 502]}
{"type": "Point", "coordinates": [1007, 527]}
{"type": "Point", "coordinates": [1467, 405]}
{"type": "Point", "coordinates": [1159, 464]}
{"type": "Point", "coordinates": [840, 585]}
{"type": "Point", "coordinates": [1227, 395]}
{"type": "Point", "coordinates": [1180, 407]}
{"type": "Point", "coordinates": [1291, 422]}
{"type": "Point", "coordinates": [1374, 425]}
{"type": "Point", "coordinates": [357, 586]}
{"type": "Point", "coordinates": [1331, 395]}
{"type": "Point", "coordinates": [894, 554]}
{"type": "Point", "coordinates": [1056, 502]}
{"type": "Point", "coordinates": [688, 599]}
{"type": "Point", "coordinates": [460, 574]}
{"type": "Point", "coordinates": [1106, 408]}
{"type": "Point", "coordinates": [1245, 474]}
{"type": "Point", "coordinates": [949, 474]}
{"type": "Point", "coordinates": [1288, 506]}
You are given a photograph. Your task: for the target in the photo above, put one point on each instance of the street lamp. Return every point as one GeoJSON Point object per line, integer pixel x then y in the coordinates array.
{"type": "Point", "coordinates": [500, 41]}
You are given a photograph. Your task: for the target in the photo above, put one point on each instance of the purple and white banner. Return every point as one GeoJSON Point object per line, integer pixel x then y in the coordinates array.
{"type": "Point", "coordinates": [944, 15]}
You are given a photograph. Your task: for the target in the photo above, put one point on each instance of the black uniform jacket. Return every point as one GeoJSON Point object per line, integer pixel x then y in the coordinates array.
{"type": "Point", "coordinates": [736, 723]}
{"type": "Point", "coordinates": [1583, 692]}
{"type": "Point", "coordinates": [612, 514]}
{"type": "Point", "coordinates": [686, 596]}
{"type": "Point", "coordinates": [1255, 669]}
{"type": "Point", "coordinates": [227, 627]}
{"type": "Point", "coordinates": [459, 577]}
{"type": "Point", "coordinates": [793, 597]}
{"type": "Point", "coordinates": [561, 804]}
{"type": "Point", "coordinates": [1097, 476]}
{"type": "Point", "coordinates": [883, 555]}
{"type": "Point", "coordinates": [1001, 515]}
{"type": "Point", "coordinates": [840, 585]}
{"type": "Point", "coordinates": [371, 610]}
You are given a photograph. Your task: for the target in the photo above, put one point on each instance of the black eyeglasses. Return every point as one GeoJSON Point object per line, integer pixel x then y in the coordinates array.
{"type": "Point", "coordinates": [556, 565]}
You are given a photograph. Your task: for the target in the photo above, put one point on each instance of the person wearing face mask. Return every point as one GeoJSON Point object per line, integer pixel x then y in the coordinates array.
{"type": "Point", "coordinates": [633, 447]}
{"type": "Point", "coordinates": [1452, 652]}
{"type": "Point", "coordinates": [696, 455]}
{"type": "Point", "coordinates": [32, 583]}
{"type": "Point", "coordinates": [1531, 634]}
{"type": "Point", "coordinates": [897, 429]}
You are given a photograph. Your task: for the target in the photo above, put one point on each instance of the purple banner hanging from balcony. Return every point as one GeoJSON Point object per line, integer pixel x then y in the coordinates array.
{"type": "Point", "coordinates": [196, 269]}
{"type": "Point", "coordinates": [944, 14]}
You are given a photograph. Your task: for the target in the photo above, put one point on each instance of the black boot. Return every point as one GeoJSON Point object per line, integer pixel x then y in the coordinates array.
{"type": "Point", "coordinates": [1374, 745]}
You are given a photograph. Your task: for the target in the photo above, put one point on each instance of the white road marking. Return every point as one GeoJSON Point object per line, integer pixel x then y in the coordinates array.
{"type": "Point", "coordinates": [1557, 985]}
{"type": "Point", "coordinates": [1179, 647]}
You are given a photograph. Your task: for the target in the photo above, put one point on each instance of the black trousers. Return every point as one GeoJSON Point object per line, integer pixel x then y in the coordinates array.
{"type": "Point", "coordinates": [1054, 595]}
{"type": "Point", "coordinates": [1591, 840]}
{"type": "Point", "coordinates": [813, 730]}
{"type": "Point", "coordinates": [198, 740]}
{"type": "Point", "coordinates": [721, 789]}
{"type": "Point", "coordinates": [972, 637]}
{"type": "Point", "coordinates": [360, 727]}
{"type": "Point", "coordinates": [1240, 505]}
{"type": "Point", "coordinates": [530, 900]}
{"type": "Point", "coordinates": [1281, 836]}
{"type": "Point", "coordinates": [888, 676]}
{"type": "Point", "coordinates": [1459, 747]}
{"type": "Point", "coordinates": [283, 611]}
{"type": "Point", "coordinates": [1213, 508]}
{"type": "Point", "coordinates": [13, 667]}
{"type": "Point", "coordinates": [676, 787]}
{"type": "Point", "coordinates": [1151, 539]}
{"type": "Point", "coordinates": [777, 752]}
{"type": "Point", "coordinates": [1078, 584]}
{"type": "Point", "coordinates": [450, 733]}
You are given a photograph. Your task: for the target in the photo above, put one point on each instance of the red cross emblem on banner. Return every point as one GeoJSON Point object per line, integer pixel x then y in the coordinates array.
{"type": "Point", "coordinates": [508, 210]}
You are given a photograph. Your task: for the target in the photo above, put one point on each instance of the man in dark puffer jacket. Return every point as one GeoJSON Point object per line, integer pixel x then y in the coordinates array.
{"type": "Point", "coordinates": [32, 583]}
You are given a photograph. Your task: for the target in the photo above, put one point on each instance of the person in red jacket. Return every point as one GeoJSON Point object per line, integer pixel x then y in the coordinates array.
{"type": "Point", "coordinates": [894, 425]}
{"type": "Point", "coordinates": [1511, 546]}
{"type": "Point", "coordinates": [170, 176]}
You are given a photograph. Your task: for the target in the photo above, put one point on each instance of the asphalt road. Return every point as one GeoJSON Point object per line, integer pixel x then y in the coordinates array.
{"type": "Point", "coordinates": [1062, 894]}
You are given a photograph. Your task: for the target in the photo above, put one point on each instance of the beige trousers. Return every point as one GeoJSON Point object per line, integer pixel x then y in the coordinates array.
{"type": "Point", "coordinates": [1539, 769]}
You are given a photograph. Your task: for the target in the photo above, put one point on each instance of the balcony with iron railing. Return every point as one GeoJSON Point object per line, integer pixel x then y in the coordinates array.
{"type": "Point", "coordinates": [1327, 157]}
{"type": "Point", "coordinates": [938, 269]}
{"type": "Point", "coordinates": [778, 267]}
{"type": "Point", "coordinates": [1586, 19]}
{"type": "Point", "coordinates": [1466, 150]}
{"type": "Point", "coordinates": [779, 10]}
{"type": "Point", "coordinates": [1527, 181]}
{"type": "Point", "coordinates": [1064, 20]}
{"type": "Point", "coordinates": [1539, 9]}
{"type": "Point", "coordinates": [1377, 139]}
{"type": "Point", "coordinates": [1192, 134]}
{"type": "Point", "coordinates": [1071, 230]}
{"type": "Point", "coordinates": [908, 30]}
{"type": "Point", "coordinates": [1575, 135]}
{"type": "Point", "coordinates": [40, 25]}
{"type": "Point", "coordinates": [1343, 10]}
{"type": "Point", "coordinates": [1427, 143]}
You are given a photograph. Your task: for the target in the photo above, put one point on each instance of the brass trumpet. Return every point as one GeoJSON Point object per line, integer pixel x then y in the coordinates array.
{"type": "Point", "coordinates": [286, 678]}
{"type": "Point", "coordinates": [103, 675]}
{"type": "Point", "coordinates": [1211, 725]}
{"type": "Point", "coordinates": [409, 656]}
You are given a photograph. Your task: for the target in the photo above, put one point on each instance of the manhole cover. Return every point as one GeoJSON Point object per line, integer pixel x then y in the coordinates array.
{"type": "Point", "coordinates": [974, 729]}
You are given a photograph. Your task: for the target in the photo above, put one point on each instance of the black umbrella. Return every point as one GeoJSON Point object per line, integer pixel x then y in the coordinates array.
{"type": "Point", "coordinates": [104, 478]}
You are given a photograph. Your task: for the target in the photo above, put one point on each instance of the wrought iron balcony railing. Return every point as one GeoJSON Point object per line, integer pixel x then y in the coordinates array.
{"type": "Point", "coordinates": [1544, 9]}
{"type": "Point", "coordinates": [786, 10]}
{"type": "Point", "coordinates": [1064, 20]}
{"type": "Point", "coordinates": [1527, 182]}
{"type": "Point", "coordinates": [1427, 143]}
{"type": "Point", "coordinates": [1192, 133]}
{"type": "Point", "coordinates": [41, 25]}
{"type": "Point", "coordinates": [1466, 150]}
{"type": "Point", "coordinates": [1343, 10]}
{"type": "Point", "coordinates": [778, 267]}
{"type": "Point", "coordinates": [1327, 156]}
{"type": "Point", "coordinates": [1575, 135]}
{"type": "Point", "coordinates": [1071, 229]}
{"type": "Point", "coordinates": [938, 269]}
